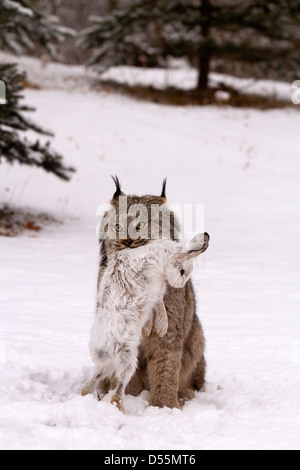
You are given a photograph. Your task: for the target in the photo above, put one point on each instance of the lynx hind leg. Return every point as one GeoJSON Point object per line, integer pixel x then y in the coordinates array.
{"type": "Point", "coordinates": [147, 328]}
{"type": "Point", "coordinates": [198, 378]}
{"type": "Point", "coordinates": [161, 322]}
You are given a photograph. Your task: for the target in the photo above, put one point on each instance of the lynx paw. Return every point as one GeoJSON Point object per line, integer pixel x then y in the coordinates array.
{"type": "Point", "coordinates": [185, 395]}
{"type": "Point", "coordinates": [168, 402]}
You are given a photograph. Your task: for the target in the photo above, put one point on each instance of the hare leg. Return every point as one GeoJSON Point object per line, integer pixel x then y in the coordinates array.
{"type": "Point", "coordinates": [147, 329]}
{"type": "Point", "coordinates": [117, 398]}
{"type": "Point", "coordinates": [127, 362]}
{"type": "Point", "coordinates": [91, 386]}
{"type": "Point", "coordinates": [161, 320]}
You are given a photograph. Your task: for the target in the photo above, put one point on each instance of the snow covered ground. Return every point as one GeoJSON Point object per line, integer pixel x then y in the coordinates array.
{"type": "Point", "coordinates": [244, 166]}
{"type": "Point", "coordinates": [55, 76]}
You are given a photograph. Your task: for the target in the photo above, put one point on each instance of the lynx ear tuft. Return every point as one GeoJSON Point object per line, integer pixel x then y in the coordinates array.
{"type": "Point", "coordinates": [118, 187]}
{"type": "Point", "coordinates": [163, 191]}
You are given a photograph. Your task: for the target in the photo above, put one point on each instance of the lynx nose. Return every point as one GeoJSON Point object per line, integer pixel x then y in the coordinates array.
{"type": "Point", "coordinates": [127, 242]}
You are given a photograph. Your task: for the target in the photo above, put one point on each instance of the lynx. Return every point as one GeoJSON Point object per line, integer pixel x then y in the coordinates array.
{"type": "Point", "coordinates": [132, 287]}
{"type": "Point", "coordinates": [171, 367]}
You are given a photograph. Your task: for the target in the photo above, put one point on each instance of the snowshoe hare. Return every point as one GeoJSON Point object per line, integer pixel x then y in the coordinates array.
{"type": "Point", "coordinates": [133, 285]}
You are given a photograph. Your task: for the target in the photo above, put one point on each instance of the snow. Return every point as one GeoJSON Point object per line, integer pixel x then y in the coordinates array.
{"type": "Point", "coordinates": [182, 76]}
{"type": "Point", "coordinates": [56, 76]}
{"type": "Point", "coordinates": [244, 166]}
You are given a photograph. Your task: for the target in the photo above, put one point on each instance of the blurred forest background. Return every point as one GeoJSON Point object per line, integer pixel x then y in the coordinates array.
{"type": "Point", "coordinates": [243, 38]}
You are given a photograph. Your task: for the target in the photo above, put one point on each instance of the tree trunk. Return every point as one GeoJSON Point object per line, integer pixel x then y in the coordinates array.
{"type": "Point", "coordinates": [112, 5]}
{"type": "Point", "coordinates": [204, 53]}
{"type": "Point", "coordinates": [204, 68]}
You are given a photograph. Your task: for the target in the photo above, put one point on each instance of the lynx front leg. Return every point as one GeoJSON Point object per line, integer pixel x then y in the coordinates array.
{"type": "Point", "coordinates": [161, 322]}
{"type": "Point", "coordinates": [163, 370]}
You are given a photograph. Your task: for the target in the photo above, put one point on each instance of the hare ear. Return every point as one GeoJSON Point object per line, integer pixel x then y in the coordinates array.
{"type": "Point", "coordinates": [118, 191]}
{"type": "Point", "coordinates": [198, 245]}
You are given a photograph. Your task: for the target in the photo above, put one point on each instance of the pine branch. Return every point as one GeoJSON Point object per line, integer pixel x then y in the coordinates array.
{"type": "Point", "coordinates": [22, 28]}
{"type": "Point", "coordinates": [14, 149]}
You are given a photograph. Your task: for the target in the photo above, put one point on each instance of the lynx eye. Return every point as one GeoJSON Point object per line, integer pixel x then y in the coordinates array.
{"type": "Point", "coordinates": [182, 272]}
{"type": "Point", "coordinates": [119, 228]}
{"type": "Point", "coordinates": [140, 226]}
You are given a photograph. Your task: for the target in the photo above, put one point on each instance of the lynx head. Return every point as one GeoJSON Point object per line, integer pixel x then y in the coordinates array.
{"type": "Point", "coordinates": [133, 220]}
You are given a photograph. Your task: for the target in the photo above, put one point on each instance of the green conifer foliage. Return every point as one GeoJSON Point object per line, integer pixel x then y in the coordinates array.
{"type": "Point", "coordinates": [252, 31]}
{"type": "Point", "coordinates": [22, 28]}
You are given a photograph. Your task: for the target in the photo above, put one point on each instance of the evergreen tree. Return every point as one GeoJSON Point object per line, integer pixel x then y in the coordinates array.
{"type": "Point", "coordinates": [255, 31]}
{"type": "Point", "coordinates": [22, 28]}
{"type": "Point", "coordinates": [14, 148]}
